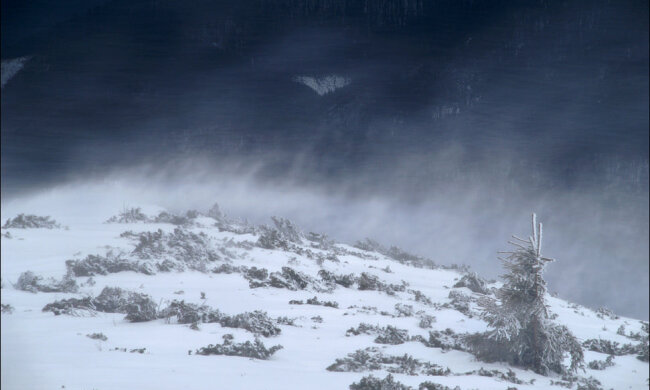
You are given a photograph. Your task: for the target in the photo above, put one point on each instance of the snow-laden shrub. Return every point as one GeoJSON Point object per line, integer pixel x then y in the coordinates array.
{"type": "Point", "coordinates": [257, 273]}
{"type": "Point", "coordinates": [272, 239]}
{"type": "Point", "coordinates": [94, 265]}
{"type": "Point", "coordinates": [436, 386]}
{"type": "Point", "coordinates": [426, 321]}
{"type": "Point", "coordinates": [178, 220]}
{"type": "Point", "coordinates": [257, 322]}
{"type": "Point", "coordinates": [372, 359]}
{"type": "Point", "coordinates": [129, 215]}
{"type": "Point", "coordinates": [185, 313]}
{"type": "Point", "coordinates": [97, 336]}
{"type": "Point", "coordinates": [22, 221]}
{"type": "Point", "coordinates": [6, 308]}
{"type": "Point", "coordinates": [460, 302]}
{"type": "Point", "coordinates": [602, 364]}
{"type": "Point", "coordinates": [385, 335]}
{"type": "Point", "coordinates": [288, 230]}
{"type": "Point", "coordinates": [333, 279]}
{"type": "Point", "coordinates": [371, 383]}
{"type": "Point", "coordinates": [112, 300]}
{"type": "Point", "coordinates": [288, 278]}
{"type": "Point", "coordinates": [182, 246]}
{"type": "Point", "coordinates": [403, 310]}
{"type": "Point", "coordinates": [72, 307]}
{"type": "Point", "coordinates": [371, 282]}
{"type": "Point", "coordinates": [473, 282]}
{"type": "Point", "coordinates": [316, 302]}
{"type": "Point", "coordinates": [419, 296]}
{"type": "Point", "coordinates": [446, 340]}
{"type": "Point", "coordinates": [140, 308]}
{"type": "Point", "coordinates": [319, 241]}
{"type": "Point", "coordinates": [137, 307]}
{"type": "Point", "coordinates": [521, 330]}
{"type": "Point", "coordinates": [609, 347]}
{"type": "Point", "coordinates": [605, 313]}
{"type": "Point", "coordinates": [28, 281]}
{"type": "Point", "coordinates": [255, 350]}
{"type": "Point", "coordinates": [228, 269]}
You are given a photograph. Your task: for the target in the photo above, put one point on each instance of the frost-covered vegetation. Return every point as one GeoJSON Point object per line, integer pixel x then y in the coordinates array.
{"type": "Point", "coordinates": [521, 330]}
{"type": "Point", "coordinates": [255, 350]}
{"type": "Point", "coordinates": [367, 309]}
{"type": "Point", "coordinates": [29, 221]}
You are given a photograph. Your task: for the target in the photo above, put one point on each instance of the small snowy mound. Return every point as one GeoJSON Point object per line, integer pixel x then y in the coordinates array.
{"type": "Point", "coordinates": [323, 85]}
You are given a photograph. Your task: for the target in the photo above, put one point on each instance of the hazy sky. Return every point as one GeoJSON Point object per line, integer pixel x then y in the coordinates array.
{"type": "Point", "coordinates": [455, 121]}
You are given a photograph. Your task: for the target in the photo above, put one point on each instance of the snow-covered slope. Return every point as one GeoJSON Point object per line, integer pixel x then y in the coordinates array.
{"type": "Point", "coordinates": [295, 289]}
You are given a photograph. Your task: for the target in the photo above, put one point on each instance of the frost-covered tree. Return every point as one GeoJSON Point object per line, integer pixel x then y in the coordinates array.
{"type": "Point", "coordinates": [521, 330]}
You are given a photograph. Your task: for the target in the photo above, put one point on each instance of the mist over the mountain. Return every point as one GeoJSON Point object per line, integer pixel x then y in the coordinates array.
{"type": "Point", "coordinates": [435, 126]}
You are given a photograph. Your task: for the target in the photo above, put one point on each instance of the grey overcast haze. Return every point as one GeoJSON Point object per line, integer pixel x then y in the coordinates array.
{"type": "Point", "coordinates": [435, 126]}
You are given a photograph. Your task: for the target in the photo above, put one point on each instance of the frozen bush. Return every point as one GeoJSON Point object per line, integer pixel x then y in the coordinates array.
{"type": "Point", "coordinates": [7, 308]}
{"type": "Point", "coordinates": [319, 241]}
{"type": "Point", "coordinates": [601, 364]}
{"type": "Point", "coordinates": [137, 307]}
{"type": "Point", "coordinates": [603, 313]}
{"type": "Point", "coordinates": [185, 313]}
{"type": "Point", "coordinates": [28, 281]}
{"type": "Point", "coordinates": [288, 278]}
{"type": "Point", "coordinates": [22, 221]}
{"type": "Point", "coordinates": [343, 280]}
{"type": "Point", "coordinates": [287, 229]}
{"type": "Point", "coordinates": [445, 340]}
{"type": "Point", "coordinates": [609, 347]}
{"type": "Point", "coordinates": [97, 336]}
{"type": "Point", "coordinates": [371, 383]}
{"type": "Point", "coordinates": [436, 386]}
{"type": "Point", "coordinates": [372, 359]}
{"type": "Point", "coordinates": [73, 307]}
{"type": "Point", "coordinates": [112, 300]}
{"type": "Point", "coordinates": [403, 310]}
{"type": "Point", "coordinates": [255, 350]}
{"type": "Point", "coordinates": [272, 239]}
{"type": "Point", "coordinates": [372, 282]}
{"type": "Point", "coordinates": [420, 297]}
{"type": "Point", "coordinates": [460, 302]}
{"type": "Point", "coordinates": [258, 274]}
{"type": "Point", "coordinates": [426, 321]}
{"type": "Point", "coordinates": [315, 301]}
{"type": "Point", "coordinates": [473, 282]}
{"type": "Point", "coordinates": [129, 215]}
{"type": "Point", "coordinates": [227, 269]}
{"type": "Point", "coordinates": [286, 321]}
{"type": "Point", "coordinates": [385, 335]}
{"type": "Point", "coordinates": [140, 308]}
{"type": "Point", "coordinates": [257, 322]}
{"type": "Point", "coordinates": [181, 246]}
{"type": "Point", "coordinates": [94, 265]}
{"type": "Point", "coordinates": [178, 220]}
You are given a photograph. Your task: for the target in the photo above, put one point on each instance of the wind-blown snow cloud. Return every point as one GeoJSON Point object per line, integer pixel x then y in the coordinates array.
{"type": "Point", "coordinates": [599, 238]}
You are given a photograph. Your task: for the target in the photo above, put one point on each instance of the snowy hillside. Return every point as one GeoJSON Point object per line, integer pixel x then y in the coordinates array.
{"type": "Point", "coordinates": [142, 298]}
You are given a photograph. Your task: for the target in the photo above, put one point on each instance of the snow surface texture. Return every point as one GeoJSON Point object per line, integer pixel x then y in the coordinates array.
{"type": "Point", "coordinates": [208, 302]}
{"type": "Point", "coordinates": [10, 67]}
{"type": "Point", "coordinates": [323, 85]}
